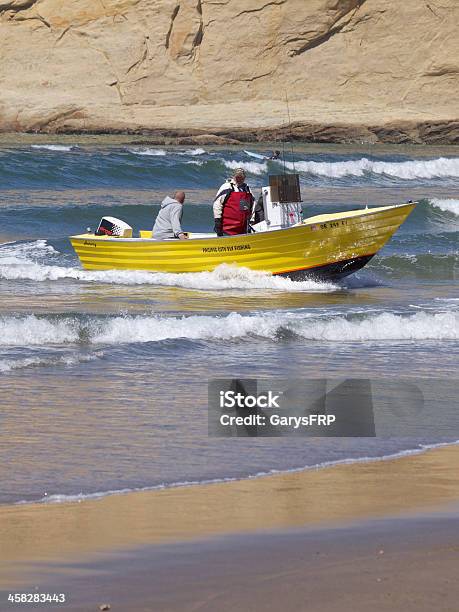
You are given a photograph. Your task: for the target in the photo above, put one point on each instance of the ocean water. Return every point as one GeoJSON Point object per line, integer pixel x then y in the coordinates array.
{"type": "Point", "coordinates": [103, 375]}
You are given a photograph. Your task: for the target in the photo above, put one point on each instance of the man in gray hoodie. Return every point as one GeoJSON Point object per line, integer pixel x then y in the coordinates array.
{"type": "Point", "coordinates": [168, 221]}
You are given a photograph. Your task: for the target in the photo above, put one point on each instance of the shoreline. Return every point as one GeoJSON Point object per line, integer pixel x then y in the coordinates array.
{"type": "Point", "coordinates": [65, 532]}
{"type": "Point", "coordinates": [70, 498]}
{"type": "Point", "coordinates": [438, 132]}
{"type": "Point", "coordinates": [126, 139]}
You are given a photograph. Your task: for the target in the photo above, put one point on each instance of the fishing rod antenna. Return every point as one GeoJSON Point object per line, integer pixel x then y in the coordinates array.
{"type": "Point", "coordinates": [290, 127]}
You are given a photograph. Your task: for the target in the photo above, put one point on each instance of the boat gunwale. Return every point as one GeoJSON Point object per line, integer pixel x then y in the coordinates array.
{"type": "Point", "coordinates": [304, 224]}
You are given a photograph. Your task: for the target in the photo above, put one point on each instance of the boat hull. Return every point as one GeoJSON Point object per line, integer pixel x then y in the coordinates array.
{"type": "Point", "coordinates": [331, 272]}
{"type": "Point", "coordinates": [325, 247]}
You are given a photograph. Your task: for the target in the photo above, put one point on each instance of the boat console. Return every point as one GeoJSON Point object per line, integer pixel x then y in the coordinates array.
{"type": "Point", "coordinates": [281, 203]}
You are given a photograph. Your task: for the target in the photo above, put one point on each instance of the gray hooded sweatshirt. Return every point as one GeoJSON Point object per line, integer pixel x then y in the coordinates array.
{"type": "Point", "coordinates": [167, 224]}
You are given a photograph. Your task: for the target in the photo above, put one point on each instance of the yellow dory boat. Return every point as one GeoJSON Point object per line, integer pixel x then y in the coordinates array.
{"type": "Point", "coordinates": [327, 246]}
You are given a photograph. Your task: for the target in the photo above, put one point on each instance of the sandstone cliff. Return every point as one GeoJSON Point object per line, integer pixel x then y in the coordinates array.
{"type": "Point", "coordinates": [354, 69]}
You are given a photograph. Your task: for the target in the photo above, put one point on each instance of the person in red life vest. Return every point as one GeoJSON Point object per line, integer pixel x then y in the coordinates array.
{"type": "Point", "coordinates": [233, 206]}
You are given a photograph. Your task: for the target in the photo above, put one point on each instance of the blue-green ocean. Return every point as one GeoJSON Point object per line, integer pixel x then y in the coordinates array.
{"type": "Point", "coordinates": [103, 375]}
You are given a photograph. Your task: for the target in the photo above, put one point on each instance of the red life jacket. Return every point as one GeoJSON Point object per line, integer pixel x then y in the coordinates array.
{"type": "Point", "coordinates": [236, 212]}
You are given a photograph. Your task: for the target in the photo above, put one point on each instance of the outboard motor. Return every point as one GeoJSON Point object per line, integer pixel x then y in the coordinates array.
{"type": "Point", "coordinates": [111, 226]}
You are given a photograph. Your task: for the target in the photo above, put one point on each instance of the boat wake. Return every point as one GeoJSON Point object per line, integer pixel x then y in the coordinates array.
{"type": "Point", "coordinates": [25, 261]}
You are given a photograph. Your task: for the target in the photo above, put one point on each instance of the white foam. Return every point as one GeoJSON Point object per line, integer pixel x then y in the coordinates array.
{"type": "Point", "coordinates": [53, 147]}
{"type": "Point", "coordinates": [19, 262]}
{"type": "Point", "coordinates": [408, 170]}
{"type": "Point", "coordinates": [9, 365]}
{"type": "Point", "coordinates": [149, 152]}
{"type": "Point", "coordinates": [18, 252]}
{"type": "Point", "coordinates": [22, 259]}
{"type": "Point", "coordinates": [197, 151]}
{"type": "Point", "coordinates": [449, 205]}
{"type": "Point", "coordinates": [154, 329]}
{"type": "Point", "coordinates": [250, 167]}
{"type": "Point", "coordinates": [383, 327]}
{"type": "Point", "coordinates": [380, 327]}
{"type": "Point", "coordinates": [31, 330]}
{"type": "Point", "coordinates": [61, 498]}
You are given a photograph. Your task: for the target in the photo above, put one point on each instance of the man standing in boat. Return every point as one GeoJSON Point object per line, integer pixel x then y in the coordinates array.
{"type": "Point", "coordinates": [233, 206]}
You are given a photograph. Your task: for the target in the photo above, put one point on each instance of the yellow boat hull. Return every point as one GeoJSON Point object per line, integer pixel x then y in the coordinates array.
{"type": "Point", "coordinates": [325, 246]}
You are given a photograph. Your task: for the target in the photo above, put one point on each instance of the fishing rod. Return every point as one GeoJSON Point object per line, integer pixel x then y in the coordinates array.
{"type": "Point", "coordinates": [290, 127]}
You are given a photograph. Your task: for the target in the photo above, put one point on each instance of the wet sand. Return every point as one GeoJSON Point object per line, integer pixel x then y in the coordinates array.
{"type": "Point", "coordinates": [408, 565]}
{"type": "Point", "coordinates": [64, 543]}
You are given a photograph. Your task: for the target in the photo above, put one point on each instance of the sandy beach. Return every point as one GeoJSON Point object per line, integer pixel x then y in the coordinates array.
{"type": "Point", "coordinates": [60, 545]}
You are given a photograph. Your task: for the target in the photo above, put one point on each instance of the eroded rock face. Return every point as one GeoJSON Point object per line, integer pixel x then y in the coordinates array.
{"type": "Point", "coordinates": [221, 65]}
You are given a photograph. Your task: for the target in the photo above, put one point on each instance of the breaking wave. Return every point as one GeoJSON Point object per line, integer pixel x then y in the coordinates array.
{"type": "Point", "coordinates": [250, 167]}
{"type": "Point", "coordinates": [20, 252]}
{"type": "Point", "coordinates": [385, 326]}
{"type": "Point", "coordinates": [406, 170]}
{"type": "Point", "coordinates": [162, 152]}
{"type": "Point", "coordinates": [52, 147]}
{"type": "Point", "coordinates": [197, 151]}
{"type": "Point", "coordinates": [144, 166]}
{"type": "Point", "coordinates": [149, 152]}
{"type": "Point", "coordinates": [449, 205]}
{"type": "Point", "coordinates": [32, 330]}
